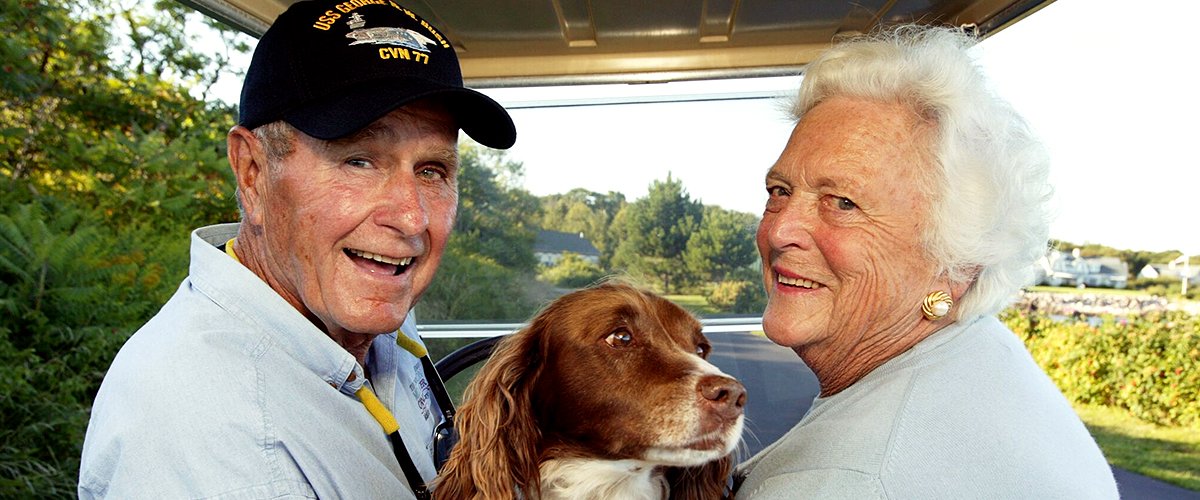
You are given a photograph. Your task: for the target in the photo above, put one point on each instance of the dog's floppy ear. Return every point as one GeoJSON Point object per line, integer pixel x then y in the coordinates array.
{"type": "Point", "coordinates": [497, 450]}
{"type": "Point", "coordinates": [702, 482]}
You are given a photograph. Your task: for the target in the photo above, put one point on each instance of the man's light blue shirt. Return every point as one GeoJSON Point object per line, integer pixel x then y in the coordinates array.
{"type": "Point", "coordinates": [229, 392]}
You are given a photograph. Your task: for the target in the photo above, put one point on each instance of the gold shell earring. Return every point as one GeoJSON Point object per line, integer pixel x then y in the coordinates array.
{"type": "Point", "coordinates": [936, 305]}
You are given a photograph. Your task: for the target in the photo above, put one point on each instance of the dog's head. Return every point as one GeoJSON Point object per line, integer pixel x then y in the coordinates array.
{"type": "Point", "coordinates": [624, 375]}
{"type": "Point", "coordinates": [610, 372]}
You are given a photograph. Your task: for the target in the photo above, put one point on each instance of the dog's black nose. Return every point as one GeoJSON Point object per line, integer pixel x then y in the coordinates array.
{"type": "Point", "coordinates": [725, 395]}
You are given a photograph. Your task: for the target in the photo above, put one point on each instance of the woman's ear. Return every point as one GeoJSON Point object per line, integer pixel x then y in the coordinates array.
{"type": "Point", "coordinates": [249, 162]}
{"type": "Point", "coordinates": [959, 288]}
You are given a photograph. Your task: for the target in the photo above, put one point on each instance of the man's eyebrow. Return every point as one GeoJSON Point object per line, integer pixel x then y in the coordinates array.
{"type": "Point", "coordinates": [445, 156]}
{"type": "Point", "coordinates": [369, 132]}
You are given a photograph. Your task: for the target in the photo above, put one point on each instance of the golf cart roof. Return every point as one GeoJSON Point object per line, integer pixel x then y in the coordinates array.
{"type": "Point", "coordinates": [523, 42]}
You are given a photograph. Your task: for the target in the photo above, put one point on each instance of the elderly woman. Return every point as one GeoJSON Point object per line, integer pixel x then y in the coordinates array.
{"type": "Point", "coordinates": [905, 211]}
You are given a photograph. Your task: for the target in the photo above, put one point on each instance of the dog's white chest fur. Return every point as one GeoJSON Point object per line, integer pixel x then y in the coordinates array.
{"type": "Point", "coordinates": [589, 478]}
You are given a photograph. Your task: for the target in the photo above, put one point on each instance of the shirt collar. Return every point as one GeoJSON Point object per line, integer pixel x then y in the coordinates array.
{"type": "Point", "coordinates": [249, 299]}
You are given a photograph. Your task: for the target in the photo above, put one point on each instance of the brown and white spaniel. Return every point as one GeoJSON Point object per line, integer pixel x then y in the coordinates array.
{"type": "Point", "coordinates": [606, 394]}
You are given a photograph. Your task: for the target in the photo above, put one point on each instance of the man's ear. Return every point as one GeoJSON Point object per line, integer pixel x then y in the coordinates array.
{"type": "Point", "coordinates": [249, 163]}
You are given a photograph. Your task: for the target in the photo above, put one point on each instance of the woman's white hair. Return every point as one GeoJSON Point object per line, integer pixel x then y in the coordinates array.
{"type": "Point", "coordinates": [989, 219]}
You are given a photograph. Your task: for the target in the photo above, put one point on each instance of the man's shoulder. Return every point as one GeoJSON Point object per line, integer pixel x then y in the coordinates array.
{"type": "Point", "coordinates": [186, 355]}
{"type": "Point", "coordinates": [189, 332]}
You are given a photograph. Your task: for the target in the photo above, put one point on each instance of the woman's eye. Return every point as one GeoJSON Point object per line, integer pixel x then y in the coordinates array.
{"type": "Point", "coordinates": [776, 198]}
{"type": "Point", "coordinates": [619, 338]}
{"type": "Point", "coordinates": [844, 203]}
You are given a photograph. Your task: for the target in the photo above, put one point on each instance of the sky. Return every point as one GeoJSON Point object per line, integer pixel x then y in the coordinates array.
{"type": "Point", "coordinates": [1107, 86]}
{"type": "Point", "coordinates": [1111, 88]}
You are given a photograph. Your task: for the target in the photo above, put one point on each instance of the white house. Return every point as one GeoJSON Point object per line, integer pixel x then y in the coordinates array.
{"type": "Point", "coordinates": [1071, 269]}
{"type": "Point", "coordinates": [1173, 270]}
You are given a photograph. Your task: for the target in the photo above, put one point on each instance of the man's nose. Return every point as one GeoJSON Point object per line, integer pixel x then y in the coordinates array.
{"type": "Point", "coordinates": [400, 205]}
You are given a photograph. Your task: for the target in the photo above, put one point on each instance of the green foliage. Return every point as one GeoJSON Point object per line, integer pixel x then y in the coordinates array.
{"type": "Point", "coordinates": [107, 161]}
{"type": "Point", "coordinates": [80, 127]}
{"type": "Point", "coordinates": [1148, 365]}
{"type": "Point", "coordinates": [587, 212]}
{"type": "Point", "coordinates": [654, 232]}
{"type": "Point", "coordinates": [723, 243]}
{"type": "Point", "coordinates": [60, 324]}
{"type": "Point", "coordinates": [572, 271]}
{"type": "Point", "coordinates": [487, 270]}
{"type": "Point", "coordinates": [471, 286]}
{"type": "Point", "coordinates": [740, 297]}
{"type": "Point", "coordinates": [497, 219]}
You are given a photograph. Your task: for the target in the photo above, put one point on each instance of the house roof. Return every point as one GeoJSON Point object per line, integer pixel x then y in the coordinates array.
{"type": "Point", "coordinates": [556, 242]}
{"type": "Point", "coordinates": [1112, 265]}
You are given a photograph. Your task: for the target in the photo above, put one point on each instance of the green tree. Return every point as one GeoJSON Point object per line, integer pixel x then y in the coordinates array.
{"type": "Point", "coordinates": [496, 217]}
{"type": "Point", "coordinates": [107, 159]}
{"type": "Point", "coordinates": [487, 272]}
{"type": "Point", "coordinates": [100, 133]}
{"type": "Point", "coordinates": [654, 232]}
{"type": "Point", "coordinates": [587, 212]}
{"type": "Point", "coordinates": [723, 243]}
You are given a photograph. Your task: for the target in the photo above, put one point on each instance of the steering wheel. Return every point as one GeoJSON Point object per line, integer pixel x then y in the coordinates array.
{"type": "Point", "coordinates": [466, 357]}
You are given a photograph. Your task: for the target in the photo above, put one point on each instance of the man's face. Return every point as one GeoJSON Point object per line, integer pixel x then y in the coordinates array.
{"type": "Point", "coordinates": [353, 229]}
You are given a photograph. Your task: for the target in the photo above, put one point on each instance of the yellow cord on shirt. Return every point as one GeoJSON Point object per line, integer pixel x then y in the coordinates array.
{"type": "Point", "coordinates": [377, 410]}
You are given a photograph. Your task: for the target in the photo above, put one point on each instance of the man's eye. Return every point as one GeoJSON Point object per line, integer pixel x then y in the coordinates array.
{"type": "Point", "coordinates": [359, 163]}
{"type": "Point", "coordinates": [844, 203]}
{"type": "Point", "coordinates": [431, 172]}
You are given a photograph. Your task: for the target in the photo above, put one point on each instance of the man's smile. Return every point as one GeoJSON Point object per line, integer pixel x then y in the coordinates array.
{"type": "Point", "coordinates": [393, 265]}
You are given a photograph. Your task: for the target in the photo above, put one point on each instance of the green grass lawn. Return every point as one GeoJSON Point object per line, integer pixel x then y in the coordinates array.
{"type": "Point", "coordinates": [694, 303]}
{"type": "Point", "coordinates": [1170, 454]}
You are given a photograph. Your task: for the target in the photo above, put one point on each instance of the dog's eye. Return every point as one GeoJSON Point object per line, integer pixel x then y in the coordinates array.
{"type": "Point", "coordinates": [702, 350]}
{"type": "Point", "coordinates": [619, 338]}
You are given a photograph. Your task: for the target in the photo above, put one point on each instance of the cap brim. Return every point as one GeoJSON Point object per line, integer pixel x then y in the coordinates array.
{"type": "Point", "coordinates": [483, 119]}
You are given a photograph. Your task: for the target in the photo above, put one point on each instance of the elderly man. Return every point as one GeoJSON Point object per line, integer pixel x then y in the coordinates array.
{"type": "Point", "coordinates": [287, 364]}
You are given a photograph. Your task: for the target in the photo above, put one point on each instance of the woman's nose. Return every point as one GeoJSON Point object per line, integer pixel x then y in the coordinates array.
{"type": "Point", "coordinates": [791, 226]}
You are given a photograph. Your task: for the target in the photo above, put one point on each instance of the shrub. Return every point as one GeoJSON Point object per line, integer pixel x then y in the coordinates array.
{"type": "Point", "coordinates": [572, 271]}
{"type": "Point", "coordinates": [741, 297]}
{"type": "Point", "coordinates": [61, 322]}
{"type": "Point", "coordinates": [469, 286]}
{"type": "Point", "coordinates": [1148, 365]}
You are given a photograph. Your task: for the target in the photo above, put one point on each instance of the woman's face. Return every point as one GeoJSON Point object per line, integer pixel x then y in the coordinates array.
{"type": "Point", "coordinates": [840, 239]}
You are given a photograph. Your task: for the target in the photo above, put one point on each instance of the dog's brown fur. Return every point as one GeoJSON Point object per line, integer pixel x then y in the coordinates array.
{"type": "Point", "coordinates": [568, 387]}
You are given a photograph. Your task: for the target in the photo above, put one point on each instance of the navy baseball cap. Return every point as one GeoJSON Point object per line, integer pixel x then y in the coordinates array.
{"type": "Point", "coordinates": [330, 68]}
